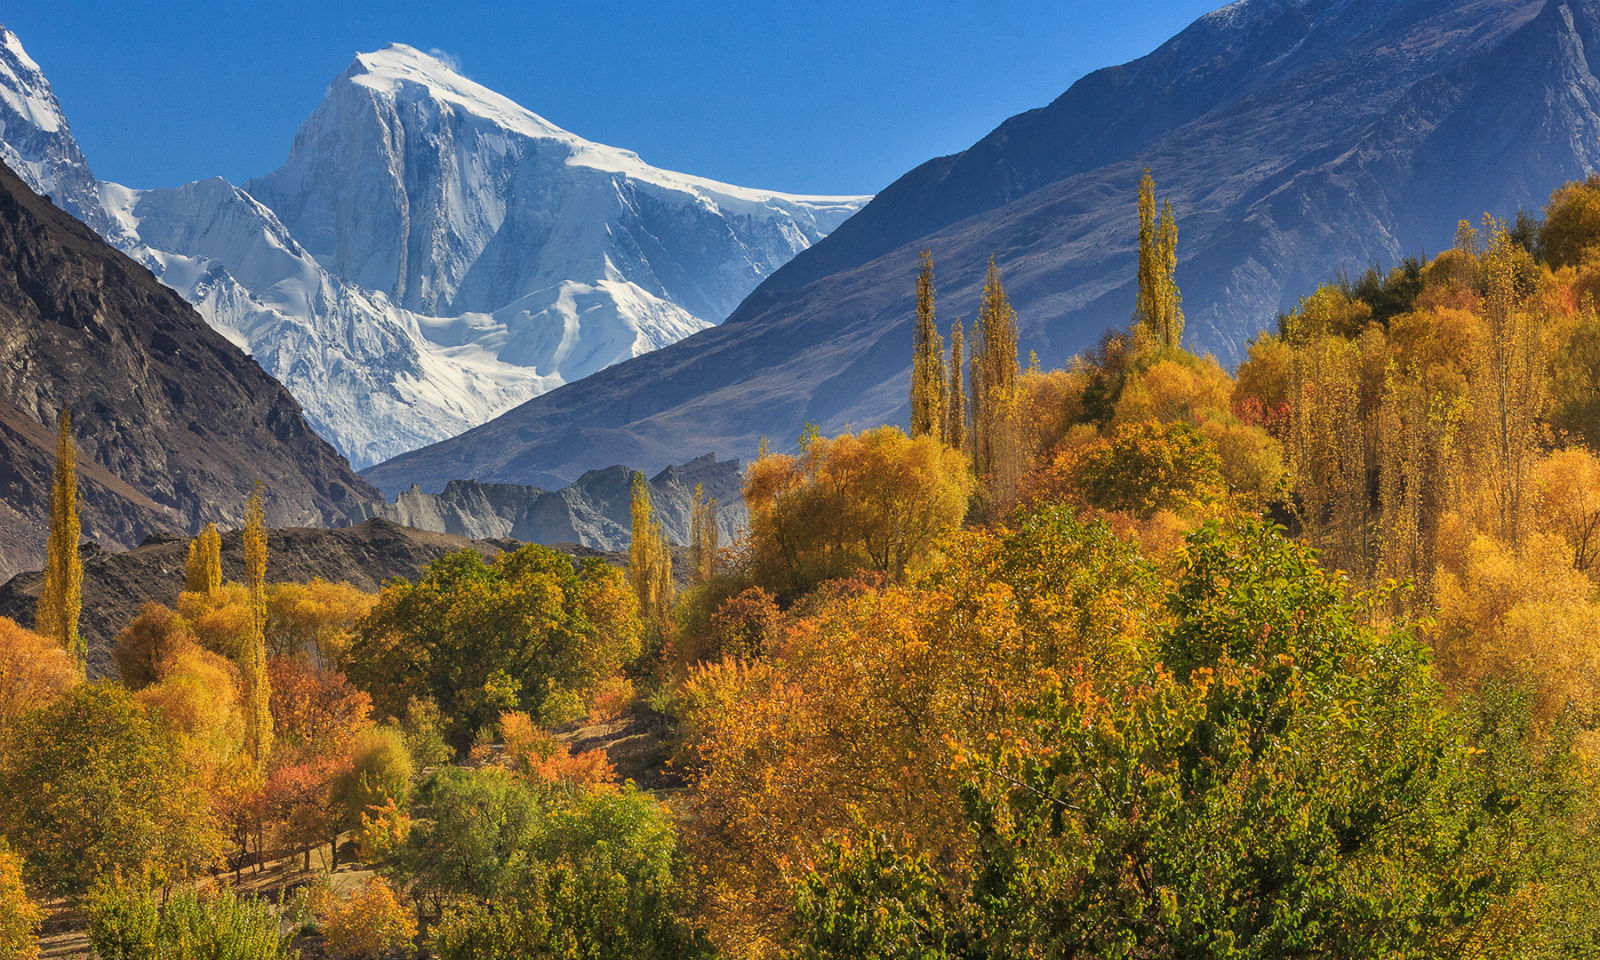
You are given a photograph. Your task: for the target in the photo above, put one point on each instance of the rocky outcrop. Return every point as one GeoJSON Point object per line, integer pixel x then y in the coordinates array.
{"type": "Point", "coordinates": [593, 511]}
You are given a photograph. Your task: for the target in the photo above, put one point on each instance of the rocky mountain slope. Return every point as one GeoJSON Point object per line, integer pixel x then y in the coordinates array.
{"type": "Point", "coordinates": [432, 253]}
{"type": "Point", "coordinates": [594, 510]}
{"type": "Point", "coordinates": [1293, 136]}
{"type": "Point", "coordinates": [174, 424]}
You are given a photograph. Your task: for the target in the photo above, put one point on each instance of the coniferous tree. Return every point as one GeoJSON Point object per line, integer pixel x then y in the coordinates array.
{"type": "Point", "coordinates": [649, 562]}
{"type": "Point", "coordinates": [927, 366]}
{"type": "Point", "coordinates": [258, 716]}
{"type": "Point", "coordinates": [61, 596]}
{"type": "Point", "coordinates": [203, 570]}
{"type": "Point", "coordinates": [955, 423]}
{"type": "Point", "coordinates": [1158, 313]}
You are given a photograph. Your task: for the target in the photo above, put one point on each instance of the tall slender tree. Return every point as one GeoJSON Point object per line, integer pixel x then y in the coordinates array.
{"type": "Point", "coordinates": [955, 423]}
{"type": "Point", "coordinates": [703, 536]}
{"type": "Point", "coordinates": [257, 694]}
{"type": "Point", "coordinates": [649, 561]}
{"type": "Point", "coordinates": [927, 364]}
{"type": "Point", "coordinates": [996, 448]}
{"type": "Point", "coordinates": [61, 596]}
{"type": "Point", "coordinates": [1158, 313]}
{"type": "Point", "coordinates": [202, 572]}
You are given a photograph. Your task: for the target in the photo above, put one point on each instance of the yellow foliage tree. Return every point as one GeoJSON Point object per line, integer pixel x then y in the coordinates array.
{"type": "Point", "coordinates": [877, 501]}
{"type": "Point", "coordinates": [1158, 313]}
{"type": "Point", "coordinates": [996, 442]}
{"type": "Point", "coordinates": [34, 670]}
{"type": "Point", "coordinates": [61, 595]}
{"type": "Point", "coordinates": [202, 572]}
{"type": "Point", "coordinates": [703, 536]}
{"type": "Point", "coordinates": [928, 405]}
{"type": "Point", "coordinates": [253, 663]}
{"type": "Point", "coordinates": [649, 560]}
{"type": "Point", "coordinates": [955, 418]}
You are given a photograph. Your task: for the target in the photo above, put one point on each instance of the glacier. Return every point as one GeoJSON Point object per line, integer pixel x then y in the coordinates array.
{"type": "Point", "coordinates": [431, 254]}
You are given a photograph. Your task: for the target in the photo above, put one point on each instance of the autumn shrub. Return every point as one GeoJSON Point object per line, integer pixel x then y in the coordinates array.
{"type": "Point", "coordinates": [611, 699]}
{"type": "Point", "coordinates": [602, 878]}
{"type": "Point", "coordinates": [382, 831]}
{"type": "Point", "coordinates": [19, 916]}
{"type": "Point", "coordinates": [34, 670]}
{"type": "Point", "coordinates": [423, 731]}
{"type": "Point", "coordinates": [369, 924]}
{"type": "Point", "coordinates": [544, 760]}
{"type": "Point", "coordinates": [130, 924]}
{"type": "Point", "coordinates": [480, 637]}
{"type": "Point", "coordinates": [875, 501]}
{"type": "Point", "coordinates": [314, 709]}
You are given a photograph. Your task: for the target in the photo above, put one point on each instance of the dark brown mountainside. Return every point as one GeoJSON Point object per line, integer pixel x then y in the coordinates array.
{"type": "Point", "coordinates": [174, 424]}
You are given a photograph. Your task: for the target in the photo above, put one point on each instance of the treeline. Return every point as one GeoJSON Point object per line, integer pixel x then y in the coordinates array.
{"type": "Point", "coordinates": [1136, 658]}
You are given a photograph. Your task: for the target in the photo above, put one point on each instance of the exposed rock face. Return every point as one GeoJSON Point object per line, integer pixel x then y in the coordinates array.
{"type": "Point", "coordinates": [594, 511]}
{"type": "Point", "coordinates": [116, 585]}
{"type": "Point", "coordinates": [1295, 138]}
{"type": "Point", "coordinates": [174, 424]}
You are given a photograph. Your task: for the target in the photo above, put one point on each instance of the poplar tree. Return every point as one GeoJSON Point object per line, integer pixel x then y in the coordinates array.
{"type": "Point", "coordinates": [258, 716]}
{"type": "Point", "coordinates": [703, 536]}
{"type": "Point", "coordinates": [649, 561]}
{"type": "Point", "coordinates": [996, 450]}
{"type": "Point", "coordinates": [61, 596]}
{"type": "Point", "coordinates": [955, 423]}
{"type": "Point", "coordinates": [202, 572]}
{"type": "Point", "coordinates": [1158, 313]}
{"type": "Point", "coordinates": [927, 365]}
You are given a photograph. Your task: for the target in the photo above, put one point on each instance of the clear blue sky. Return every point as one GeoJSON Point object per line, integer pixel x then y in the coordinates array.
{"type": "Point", "coordinates": [818, 96]}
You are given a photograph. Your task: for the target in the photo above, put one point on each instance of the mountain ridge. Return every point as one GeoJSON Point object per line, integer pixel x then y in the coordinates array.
{"type": "Point", "coordinates": [1294, 136]}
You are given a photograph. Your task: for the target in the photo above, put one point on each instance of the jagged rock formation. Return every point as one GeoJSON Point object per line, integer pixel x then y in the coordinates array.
{"type": "Point", "coordinates": [1295, 138]}
{"type": "Point", "coordinates": [593, 511]}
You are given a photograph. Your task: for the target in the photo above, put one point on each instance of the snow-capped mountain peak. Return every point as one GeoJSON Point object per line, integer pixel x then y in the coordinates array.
{"type": "Point", "coordinates": [432, 253]}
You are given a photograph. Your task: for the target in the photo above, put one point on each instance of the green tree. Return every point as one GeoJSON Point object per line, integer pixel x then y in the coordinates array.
{"type": "Point", "coordinates": [61, 595]}
{"type": "Point", "coordinates": [928, 403]}
{"type": "Point", "coordinates": [478, 638]}
{"type": "Point", "coordinates": [91, 787]}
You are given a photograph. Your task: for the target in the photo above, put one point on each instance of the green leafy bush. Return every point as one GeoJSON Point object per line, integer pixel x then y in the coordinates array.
{"type": "Point", "coordinates": [128, 924]}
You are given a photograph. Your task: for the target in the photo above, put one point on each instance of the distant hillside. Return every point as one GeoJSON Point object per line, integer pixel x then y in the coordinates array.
{"type": "Point", "coordinates": [594, 511]}
{"type": "Point", "coordinates": [174, 424]}
{"type": "Point", "coordinates": [1293, 136]}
